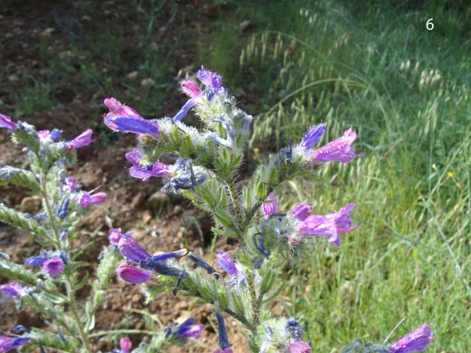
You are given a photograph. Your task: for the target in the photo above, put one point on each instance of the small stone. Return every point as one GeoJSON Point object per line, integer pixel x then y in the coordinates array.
{"type": "Point", "coordinates": [154, 46]}
{"type": "Point", "coordinates": [244, 25]}
{"type": "Point", "coordinates": [86, 18]}
{"type": "Point", "coordinates": [132, 75]}
{"type": "Point", "coordinates": [66, 54]}
{"type": "Point", "coordinates": [136, 297]}
{"type": "Point", "coordinates": [177, 210]}
{"type": "Point", "coordinates": [147, 82]}
{"type": "Point", "coordinates": [13, 78]}
{"type": "Point", "coordinates": [31, 204]}
{"type": "Point", "coordinates": [47, 32]}
{"type": "Point", "coordinates": [158, 198]}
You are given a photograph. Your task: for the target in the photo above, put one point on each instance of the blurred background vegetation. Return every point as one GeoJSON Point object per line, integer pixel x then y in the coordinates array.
{"type": "Point", "coordinates": [370, 65]}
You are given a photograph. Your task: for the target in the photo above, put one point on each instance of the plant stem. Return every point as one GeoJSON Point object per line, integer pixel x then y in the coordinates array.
{"type": "Point", "coordinates": [235, 202]}
{"type": "Point", "coordinates": [49, 214]}
{"type": "Point", "coordinates": [78, 319]}
{"type": "Point", "coordinates": [255, 302]}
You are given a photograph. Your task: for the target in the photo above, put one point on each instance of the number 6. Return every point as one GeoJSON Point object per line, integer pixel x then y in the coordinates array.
{"type": "Point", "coordinates": [429, 24]}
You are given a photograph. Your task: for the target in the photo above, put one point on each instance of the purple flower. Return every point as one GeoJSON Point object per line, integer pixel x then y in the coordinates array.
{"type": "Point", "coordinates": [190, 88]}
{"type": "Point", "coordinates": [133, 275]}
{"type": "Point", "coordinates": [62, 210]}
{"type": "Point", "coordinates": [115, 235]}
{"type": "Point", "coordinates": [294, 328]}
{"type": "Point", "coordinates": [200, 262]}
{"type": "Point", "coordinates": [339, 149]}
{"type": "Point", "coordinates": [68, 184]}
{"type": "Point", "coordinates": [35, 260]}
{"type": "Point", "coordinates": [299, 347]}
{"type": "Point", "coordinates": [81, 140]}
{"type": "Point", "coordinates": [53, 266]}
{"type": "Point", "coordinates": [162, 268]}
{"type": "Point", "coordinates": [224, 344]}
{"type": "Point", "coordinates": [272, 207]}
{"type": "Point", "coordinates": [8, 343]}
{"type": "Point", "coordinates": [118, 109]}
{"type": "Point", "coordinates": [312, 136]}
{"type": "Point", "coordinates": [131, 124]}
{"type": "Point", "coordinates": [210, 79]}
{"type": "Point", "coordinates": [144, 172]}
{"type": "Point", "coordinates": [125, 344]}
{"type": "Point", "coordinates": [301, 211]}
{"type": "Point", "coordinates": [12, 289]}
{"type": "Point", "coordinates": [225, 263]}
{"type": "Point", "coordinates": [330, 225]}
{"type": "Point", "coordinates": [188, 329]}
{"type": "Point", "coordinates": [6, 122]}
{"type": "Point", "coordinates": [417, 340]}
{"type": "Point", "coordinates": [182, 112]}
{"type": "Point", "coordinates": [131, 250]}
{"type": "Point", "coordinates": [177, 254]}
{"type": "Point", "coordinates": [84, 199]}
{"type": "Point", "coordinates": [45, 135]}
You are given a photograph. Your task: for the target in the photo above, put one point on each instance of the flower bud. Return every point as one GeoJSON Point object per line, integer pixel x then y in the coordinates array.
{"type": "Point", "coordinates": [417, 340]}
{"type": "Point", "coordinates": [6, 122]}
{"type": "Point", "coordinates": [12, 289]}
{"type": "Point", "coordinates": [81, 140]}
{"type": "Point", "coordinates": [133, 275]}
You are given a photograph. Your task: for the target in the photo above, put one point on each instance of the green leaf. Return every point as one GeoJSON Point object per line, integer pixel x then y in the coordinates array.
{"type": "Point", "coordinates": [82, 282]}
{"type": "Point", "coordinates": [56, 299]}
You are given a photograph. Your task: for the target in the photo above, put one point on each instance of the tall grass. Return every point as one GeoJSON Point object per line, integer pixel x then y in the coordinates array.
{"type": "Point", "coordinates": [406, 91]}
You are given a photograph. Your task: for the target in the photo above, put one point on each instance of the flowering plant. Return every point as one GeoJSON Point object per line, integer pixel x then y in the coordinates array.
{"type": "Point", "coordinates": [51, 291]}
{"type": "Point", "coordinates": [205, 172]}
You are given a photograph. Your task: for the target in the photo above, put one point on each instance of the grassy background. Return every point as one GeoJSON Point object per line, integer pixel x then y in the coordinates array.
{"type": "Point", "coordinates": [406, 90]}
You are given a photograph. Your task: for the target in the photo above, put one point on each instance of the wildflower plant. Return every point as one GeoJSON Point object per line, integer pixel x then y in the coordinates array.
{"type": "Point", "coordinates": [208, 164]}
{"type": "Point", "coordinates": [48, 281]}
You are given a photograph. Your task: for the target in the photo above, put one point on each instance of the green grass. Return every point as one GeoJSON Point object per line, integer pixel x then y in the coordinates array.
{"type": "Point", "coordinates": [406, 91]}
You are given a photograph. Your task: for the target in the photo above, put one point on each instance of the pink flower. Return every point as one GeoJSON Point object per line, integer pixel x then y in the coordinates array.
{"type": "Point", "coordinates": [115, 235]}
{"type": "Point", "coordinates": [299, 347]}
{"type": "Point", "coordinates": [53, 266]}
{"type": "Point", "coordinates": [301, 211]}
{"type": "Point", "coordinates": [133, 275]}
{"type": "Point", "coordinates": [340, 149]}
{"type": "Point", "coordinates": [6, 122]}
{"type": "Point", "coordinates": [330, 225]}
{"type": "Point", "coordinates": [84, 199]}
{"type": "Point", "coordinates": [144, 172]}
{"type": "Point", "coordinates": [417, 340]}
{"type": "Point", "coordinates": [81, 140]}
{"type": "Point", "coordinates": [270, 208]}
{"type": "Point", "coordinates": [190, 88]}
{"type": "Point", "coordinates": [12, 289]}
{"type": "Point", "coordinates": [118, 109]}
{"type": "Point", "coordinates": [68, 184]}
{"type": "Point", "coordinates": [125, 344]}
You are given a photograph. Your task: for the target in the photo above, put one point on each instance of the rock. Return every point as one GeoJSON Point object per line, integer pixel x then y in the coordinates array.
{"type": "Point", "coordinates": [132, 75]}
{"type": "Point", "coordinates": [147, 82]}
{"type": "Point", "coordinates": [47, 32]}
{"type": "Point", "coordinates": [158, 198]}
{"type": "Point", "coordinates": [244, 25]}
{"type": "Point", "coordinates": [31, 204]}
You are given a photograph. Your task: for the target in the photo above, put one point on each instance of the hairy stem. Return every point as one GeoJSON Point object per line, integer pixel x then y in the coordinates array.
{"type": "Point", "coordinates": [255, 302]}
{"type": "Point", "coordinates": [78, 319]}
{"type": "Point", "coordinates": [235, 202]}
